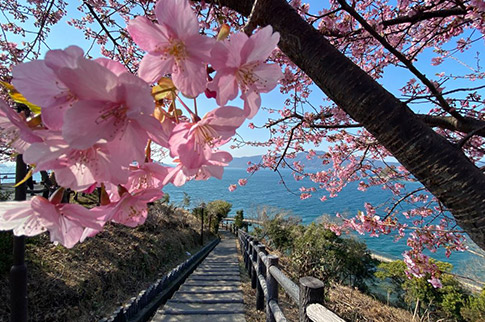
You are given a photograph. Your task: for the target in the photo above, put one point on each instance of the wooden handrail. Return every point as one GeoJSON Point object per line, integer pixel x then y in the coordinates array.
{"type": "Point", "coordinates": [249, 221]}
{"type": "Point", "coordinates": [319, 313]}
{"type": "Point", "coordinates": [266, 276]}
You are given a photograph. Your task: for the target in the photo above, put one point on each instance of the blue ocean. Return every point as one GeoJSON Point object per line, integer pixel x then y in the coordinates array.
{"type": "Point", "coordinates": [265, 189]}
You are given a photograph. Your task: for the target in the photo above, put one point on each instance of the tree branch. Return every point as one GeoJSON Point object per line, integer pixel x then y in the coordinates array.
{"type": "Point", "coordinates": [465, 125]}
{"type": "Point", "coordinates": [438, 164]}
{"type": "Point", "coordinates": [292, 132]}
{"type": "Point", "coordinates": [432, 88]}
{"type": "Point", "coordinates": [424, 15]}
{"type": "Point", "coordinates": [108, 33]}
{"type": "Point", "coordinates": [467, 137]}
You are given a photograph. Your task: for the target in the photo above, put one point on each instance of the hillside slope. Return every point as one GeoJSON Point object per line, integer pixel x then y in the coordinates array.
{"type": "Point", "coordinates": [89, 281]}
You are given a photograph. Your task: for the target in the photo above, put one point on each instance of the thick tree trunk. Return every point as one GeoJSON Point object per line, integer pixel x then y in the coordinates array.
{"type": "Point", "coordinates": [439, 165]}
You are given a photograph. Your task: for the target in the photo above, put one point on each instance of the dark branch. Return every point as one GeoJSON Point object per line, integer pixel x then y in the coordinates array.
{"type": "Point", "coordinates": [108, 33]}
{"type": "Point", "coordinates": [467, 137]}
{"type": "Point", "coordinates": [401, 200]}
{"type": "Point", "coordinates": [334, 126]}
{"type": "Point", "coordinates": [41, 27]}
{"type": "Point", "coordinates": [444, 104]}
{"type": "Point", "coordinates": [424, 15]}
{"type": "Point", "coordinates": [292, 132]}
{"type": "Point", "coordinates": [465, 125]}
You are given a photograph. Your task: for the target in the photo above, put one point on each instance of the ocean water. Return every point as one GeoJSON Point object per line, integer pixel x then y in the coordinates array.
{"type": "Point", "coordinates": [264, 189]}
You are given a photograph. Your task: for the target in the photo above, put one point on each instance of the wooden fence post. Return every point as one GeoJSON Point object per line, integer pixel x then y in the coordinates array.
{"type": "Point", "coordinates": [249, 255]}
{"type": "Point", "coordinates": [311, 291]}
{"type": "Point", "coordinates": [253, 260]}
{"type": "Point", "coordinates": [272, 286]}
{"type": "Point", "coordinates": [202, 226]}
{"type": "Point", "coordinates": [261, 270]}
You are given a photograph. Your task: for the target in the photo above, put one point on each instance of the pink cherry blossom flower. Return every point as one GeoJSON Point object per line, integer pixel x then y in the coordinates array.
{"type": "Point", "coordinates": [114, 66]}
{"type": "Point", "coordinates": [232, 187]}
{"type": "Point", "coordinates": [242, 182]}
{"type": "Point", "coordinates": [131, 209]}
{"type": "Point", "coordinates": [113, 107]}
{"type": "Point", "coordinates": [435, 282]}
{"type": "Point", "coordinates": [65, 222]}
{"type": "Point", "coordinates": [146, 176]}
{"type": "Point", "coordinates": [174, 46]}
{"type": "Point", "coordinates": [192, 142]}
{"type": "Point", "coordinates": [212, 165]}
{"type": "Point", "coordinates": [14, 131]}
{"type": "Point", "coordinates": [38, 81]}
{"type": "Point", "coordinates": [240, 62]}
{"type": "Point", "coordinates": [78, 169]}
{"type": "Point", "coordinates": [19, 217]}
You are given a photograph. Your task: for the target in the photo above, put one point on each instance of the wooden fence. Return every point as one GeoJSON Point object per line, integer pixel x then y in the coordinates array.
{"type": "Point", "coordinates": [266, 277]}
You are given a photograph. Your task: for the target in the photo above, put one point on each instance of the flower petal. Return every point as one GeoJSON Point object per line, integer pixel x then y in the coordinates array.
{"type": "Point", "coordinates": [149, 36]}
{"type": "Point", "coordinates": [152, 67]}
{"type": "Point", "coordinates": [178, 15]}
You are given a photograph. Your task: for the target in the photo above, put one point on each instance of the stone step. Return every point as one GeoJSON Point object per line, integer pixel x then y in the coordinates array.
{"type": "Point", "coordinates": [234, 317]}
{"type": "Point", "coordinates": [230, 271]}
{"type": "Point", "coordinates": [208, 288]}
{"type": "Point", "coordinates": [227, 296]}
{"type": "Point", "coordinates": [211, 267]}
{"type": "Point", "coordinates": [219, 283]}
{"type": "Point", "coordinates": [218, 278]}
{"type": "Point", "coordinates": [219, 263]}
{"type": "Point", "coordinates": [222, 307]}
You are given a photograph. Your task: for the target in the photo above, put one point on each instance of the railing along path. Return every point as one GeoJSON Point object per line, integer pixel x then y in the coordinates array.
{"type": "Point", "coordinates": [266, 277]}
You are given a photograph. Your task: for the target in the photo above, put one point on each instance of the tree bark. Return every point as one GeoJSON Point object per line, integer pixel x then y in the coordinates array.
{"type": "Point", "coordinates": [438, 164]}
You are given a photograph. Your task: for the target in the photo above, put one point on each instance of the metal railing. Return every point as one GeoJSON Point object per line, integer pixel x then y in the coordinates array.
{"type": "Point", "coordinates": [266, 277]}
{"type": "Point", "coordinates": [7, 176]}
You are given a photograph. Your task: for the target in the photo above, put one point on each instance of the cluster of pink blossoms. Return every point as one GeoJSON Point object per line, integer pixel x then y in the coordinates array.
{"type": "Point", "coordinates": [97, 120]}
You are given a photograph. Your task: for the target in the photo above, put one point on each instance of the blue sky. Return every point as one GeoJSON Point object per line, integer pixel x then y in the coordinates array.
{"type": "Point", "coordinates": [394, 78]}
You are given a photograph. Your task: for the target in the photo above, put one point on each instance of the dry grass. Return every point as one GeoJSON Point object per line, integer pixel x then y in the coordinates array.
{"type": "Point", "coordinates": [352, 305]}
{"type": "Point", "coordinates": [89, 281]}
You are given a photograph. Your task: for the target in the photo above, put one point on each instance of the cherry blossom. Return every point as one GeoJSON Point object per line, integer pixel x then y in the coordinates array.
{"type": "Point", "coordinates": [211, 164]}
{"type": "Point", "coordinates": [131, 209]}
{"type": "Point", "coordinates": [115, 108]}
{"type": "Point", "coordinates": [174, 46]}
{"type": "Point", "coordinates": [15, 131]}
{"type": "Point", "coordinates": [65, 222]}
{"type": "Point", "coordinates": [78, 169]}
{"type": "Point", "coordinates": [240, 62]}
{"type": "Point", "coordinates": [39, 82]}
{"type": "Point", "coordinates": [146, 176]}
{"type": "Point", "coordinates": [192, 142]}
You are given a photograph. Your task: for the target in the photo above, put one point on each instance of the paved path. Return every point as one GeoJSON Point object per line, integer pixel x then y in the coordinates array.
{"type": "Point", "coordinates": [212, 292]}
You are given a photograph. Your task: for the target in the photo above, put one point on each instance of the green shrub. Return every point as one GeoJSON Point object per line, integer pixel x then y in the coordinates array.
{"type": "Point", "coordinates": [239, 220]}
{"type": "Point", "coordinates": [319, 252]}
{"type": "Point", "coordinates": [217, 210]}
{"type": "Point", "coordinates": [279, 231]}
{"type": "Point", "coordinates": [474, 308]}
{"type": "Point", "coordinates": [420, 295]}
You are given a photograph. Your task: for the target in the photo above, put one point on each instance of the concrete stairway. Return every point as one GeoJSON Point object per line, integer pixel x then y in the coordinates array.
{"type": "Point", "coordinates": [212, 292]}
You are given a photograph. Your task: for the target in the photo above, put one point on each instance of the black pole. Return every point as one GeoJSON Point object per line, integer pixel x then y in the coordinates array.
{"type": "Point", "coordinates": [18, 272]}
{"type": "Point", "coordinates": [202, 210]}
